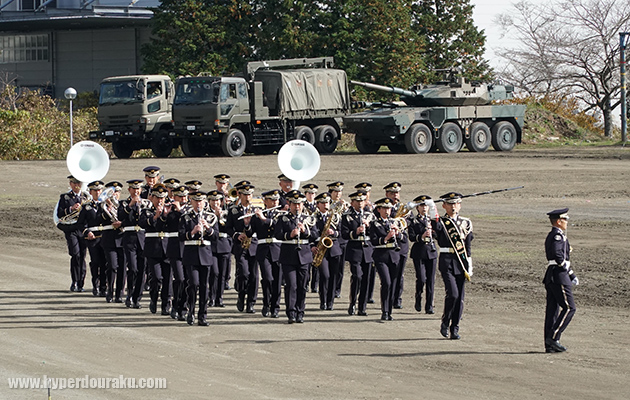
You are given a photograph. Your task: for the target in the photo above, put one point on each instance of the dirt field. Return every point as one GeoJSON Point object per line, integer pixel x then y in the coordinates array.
{"type": "Point", "coordinates": [47, 330]}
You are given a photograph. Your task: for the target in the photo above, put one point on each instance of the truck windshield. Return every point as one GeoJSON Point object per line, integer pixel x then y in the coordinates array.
{"type": "Point", "coordinates": [197, 92]}
{"type": "Point", "coordinates": [120, 92]}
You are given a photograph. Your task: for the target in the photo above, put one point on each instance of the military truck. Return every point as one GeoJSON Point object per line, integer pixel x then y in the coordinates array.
{"type": "Point", "coordinates": [134, 112]}
{"type": "Point", "coordinates": [442, 116]}
{"type": "Point", "coordinates": [262, 109]}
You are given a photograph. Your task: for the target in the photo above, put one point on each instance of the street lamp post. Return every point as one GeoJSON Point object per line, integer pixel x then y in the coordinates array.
{"type": "Point", "coordinates": [70, 94]}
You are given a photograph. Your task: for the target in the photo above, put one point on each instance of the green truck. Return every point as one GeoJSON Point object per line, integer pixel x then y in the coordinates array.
{"type": "Point", "coordinates": [134, 112]}
{"type": "Point", "coordinates": [442, 116]}
{"type": "Point", "coordinates": [271, 103]}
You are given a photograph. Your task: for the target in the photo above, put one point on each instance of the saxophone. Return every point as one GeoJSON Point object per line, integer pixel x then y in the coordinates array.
{"type": "Point", "coordinates": [325, 242]}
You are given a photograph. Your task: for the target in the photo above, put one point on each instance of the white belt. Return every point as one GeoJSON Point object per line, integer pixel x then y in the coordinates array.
{"type": "Point", "coordinates": [295, 241]}
{"type": "Point", "coordinates": [223, 235]}
{"type": "Point", "coordinates": [197, 243]}
{"type": "Point", "coordinates": [134, 228]}
{"type": "Point", "coordinates": [161, 235]}
{"type": "Point", "coordinates": [447, 250]}
{"type": "Point", "coordinates": [101, 228]}
{"type": "Point", "coordinates": [385, 246]}
{"type": "Point", "coordinates": [269, 240]}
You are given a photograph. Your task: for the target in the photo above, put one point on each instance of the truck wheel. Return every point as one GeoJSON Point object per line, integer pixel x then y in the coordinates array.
{"type": "Point", "coordinates": [366, 146]}
{"type": "Point", "coordinates": [503, 136]}
{"type": "Point", "coordinates": [305, 133]}
{"type": "Point", "coordinates": [233, 143]}
{"type": "Point", "coordinates": [397, 148]}
{"type": "Point", "coordinates": [162, 144]}
{"type": "Point", "coordinates": [479, 137]}
{"type": "Point", "coordinates": [418, 139]}
{"type": "Point", "coordinates": [193, 148]}
{"type": "Point", "coordinates": [450, 140]}
{"type": "Point", "coordinates": [326, 139]}
{"type": "Point", "coordinates": [122, 149]}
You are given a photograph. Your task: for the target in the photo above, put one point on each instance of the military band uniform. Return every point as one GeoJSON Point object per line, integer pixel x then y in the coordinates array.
{"type": "Point", "coordinates": [450, 265]}
{"type": "Point", "coordinates": [392, 191]}
{"type": "Point", "coordinates": [558, 281]}
{"type": "Point", "coordinates": [331, 261]}
{"type": "Point", "coordinates": [222, 253]}
{"type": "Point", "coordinates": [73, 233]}
{"type": "Point", "coordinates": [174, 252]}
{"type": "Point", "coordinates": [89, 221]}
{"type": "Point", "coordinates": [111, 242]}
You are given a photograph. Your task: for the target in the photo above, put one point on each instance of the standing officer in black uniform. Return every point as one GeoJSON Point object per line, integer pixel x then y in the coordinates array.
{"type": "Point", "coordinates": [68, 210]}
{"type": "Point", "coordinates": [558, 281]}
{"type": "Point", "coordinates": [296, 230]}
{"type": "Point", "coordinates": [454, 236]}
{"type": "Point", "coordinates": [221, 248]}
{"type": "Point", "coordinates": [133, 241]}
{"type": "Point", "coordinates": [423, 253]}
{"type": "Point", "coordinates": [174, 250]}
{"type": "Point", "coordinates": [392, 192]}
{"type": "Point", "coordinates": [268, 253]}
{"type": "Point", "coordinates": [197, 229]}
{"type": "Point", "coordinates": [222, 183]}
{"type": "Point", "coordinates": [385, 236]}
{"type": "Point", "coordinates": [369, 207]}
{"type": "Point", "coordinates": [153, 219]}
{"type": "Point", "coordinates": [90, 223]}
{"type": "Point", "coordinates": [244, 248]}
{"type": "Point", "coordinates": [310, 206]}
{"type": "Point", "coordinates": [335, 190]}
{"type": "Point", "coordinates": [111, 241]}
{"type": "Point", "coordinates": [354, 228]}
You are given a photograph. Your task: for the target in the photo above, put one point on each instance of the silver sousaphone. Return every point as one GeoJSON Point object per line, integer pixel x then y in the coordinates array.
{"type": "Point", "coordinates": [87, 161]}
{"type": "Point", "coordinates": [299, 161]}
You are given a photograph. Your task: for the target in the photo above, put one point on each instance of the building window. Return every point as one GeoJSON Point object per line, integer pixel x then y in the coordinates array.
{"type": "Point", "coordinates": [23, 48]}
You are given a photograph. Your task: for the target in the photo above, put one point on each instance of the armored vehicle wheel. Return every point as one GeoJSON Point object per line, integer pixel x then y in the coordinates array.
{"type": "Point", "coordinates": [366, 146]}
{"type": "Point", "coordinates": [503, 136]}
{"type": "Point", "coordinates": [305, 133]}
{"type": "Point", "coordinates": [450, 140]}
{"type": "Point", "coordinates": [418, 139]}
{"type": "Point", "coordinates": [233, 143]}
{"type": "Point", "coordinates": [479, 137]}
{"type": "Point", "coordinates": [397, 148]}
{"type": "Point", "coordinates": [193, 148]}
{"type": "Point", "coordinates": [162, 144]}
{"type": "Point", "coordinates": [122, 149]}
{"type": "Point", "coordinates": [325, 139]}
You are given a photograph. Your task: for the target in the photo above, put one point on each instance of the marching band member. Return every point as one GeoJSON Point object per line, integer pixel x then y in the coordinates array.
{"type": "Point", "coordinates": [171, 184]}
{"type": "Point", "coordinates": [385, 236]}
{"type": "Point", "coordinates": [111, 241]}
{"type": "Point", "coordinates": [153, 219]}
{"type": "Point", "coordinates": [175, 247]}
{"type": "Point", "coordinates": [454, 236]}
{"type": "Point", "coordinates": [296, 232]}
{"type": "Point", "coordinates": [335, 190]}
{"type": "Point", "coordinates": [69, 206]}
{"type": "Point", "coordinates": [198, 229]}
{"type": "Point", "coordinates": [331, 260]}
{"type": "Point", "coordinates": [310, 190]}
{"type": "Point", "coordinates": [88, 219]}
{"type": "Point", "coordinates": [244, 248]}
{"type": "Point", "coordinates": [558, 281]}
{"type": "Point", "coordinates": [268, 253]}
{"type": "Point", "coordinates": [285, 184]}
{"type": "Point", "coordinates": [423, 253]}
{"type": "Point", "coordinates": [369, 207]}
{"type": "Point", "coordinates": [222, 182]}
{"type": "Point", "coordinates": [221, 249]}
{"type": "Point", "coordinates": [354, 228]}
{"type": "Point", "coordinates": [392, 192]}
{"type": "Point", "coordinates": [133, 241]}
{"type": "Point", "coordinates": [151, 177]}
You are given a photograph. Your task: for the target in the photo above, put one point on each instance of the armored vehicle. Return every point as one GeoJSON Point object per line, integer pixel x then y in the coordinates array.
{"type": "Point", "coordinates": [441, 116]}
{"type": "Point", "coordinates": [263, 109]}
{"type": "Point", "coordinates": [134, 112]}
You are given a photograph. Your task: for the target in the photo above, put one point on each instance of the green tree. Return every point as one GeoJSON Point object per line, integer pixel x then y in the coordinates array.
{"type": "Point", "coordinates": [452, 39]}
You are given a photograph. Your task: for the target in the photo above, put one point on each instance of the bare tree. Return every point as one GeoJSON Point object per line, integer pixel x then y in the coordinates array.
{"type": "Point", "coordinates": [568, 48]}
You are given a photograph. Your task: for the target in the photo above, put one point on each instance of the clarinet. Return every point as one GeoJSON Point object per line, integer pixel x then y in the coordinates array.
{"type": "Point", "coordinates": [428, 240]}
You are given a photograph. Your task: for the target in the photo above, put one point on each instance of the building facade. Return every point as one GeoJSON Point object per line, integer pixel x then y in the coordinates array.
{"type": "Point", "coordinates": [55, 44]}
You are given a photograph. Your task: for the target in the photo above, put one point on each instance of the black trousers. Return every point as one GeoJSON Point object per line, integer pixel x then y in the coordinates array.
{"type": "Point", "coordinates": [400, 279]}
{"type": "Point", "coordinates": [161, 280]}
{"type": "Point", "coordinates": [454, 299]}
{"type": "Point", "coordinates": [425, 279]}
{"type": "Point", "coordinates": [198, 283]}
{"type": "Point", "coordinates": [179, 284]}
{"type": "Point", "coordinates": [135, 264]}
{"type": "Point", "coordinates": [388, 274]}
{"type": "Point", "coordinates": [359, 284]}
{"type": "Point", "coordinates": [115, 260]}
{"type": "Point", "coordinates": [271, 282]}
{"type": "Point", "coordinates": [294, 289]}
{"type": "Point", "coordinates": [247, 277]}
{"type": "Point", "coordinates": [76, 250]}
{"type": "Point", "coordinates": [217, 285]}
{"type": "Point", "coordinates": [98, 269]}
{"type": "Point", "coordinates": [560, 309]}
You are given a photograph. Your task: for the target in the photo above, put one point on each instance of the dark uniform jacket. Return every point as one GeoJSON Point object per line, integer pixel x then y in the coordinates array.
{"type": "Point", "coordinates": [235, 227]}
{"type": "Point", "coordinates": [110, 238]}
{"type": "Point", "coordinates": [130, 216]}
{"type": "Point", "coordinates": [66, 201]}
{"type": "Point", "coordinates": [557, 249]}
{"type": "Point", "coordinates": [154, 247]}
{"type": "Point", "coordinates": [416, 228]}
{"type": "Point", "coordinates": [265, 230]}
{"type": "Point", "coordinates": [359, 248]}
{"type": "Point", "coordinates": [404, 242]}
{"type": "Point", "coordinates": [196, 254]}
{"type": "Point", "coordinates": [175, 246]}
{"type": "Point", "coordinates": [292, 253]}
{"type": "Point", "coordinates": [384, 251]}
{"type": "Point", "coordinates": [223, 244]}
{"type": "Point", "coordinates": [450, 260]}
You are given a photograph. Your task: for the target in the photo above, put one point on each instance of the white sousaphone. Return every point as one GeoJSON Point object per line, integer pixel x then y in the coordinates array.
{"type": "Point", "coordinates": [299, 161]}
{"type": "Point", "coordinates": [87, 161]}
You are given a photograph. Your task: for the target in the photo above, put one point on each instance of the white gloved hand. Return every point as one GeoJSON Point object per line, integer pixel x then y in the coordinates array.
{"type": "Point", "coordinates": [470, 267]}
{"type": "Point", "coordinates": [433, 214]}
{"type": "Point", "coordinates": [575, 281]}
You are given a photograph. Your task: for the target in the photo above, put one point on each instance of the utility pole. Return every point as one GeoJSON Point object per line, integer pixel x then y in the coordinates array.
{"type": "Point", "coordinates": [623, 44]}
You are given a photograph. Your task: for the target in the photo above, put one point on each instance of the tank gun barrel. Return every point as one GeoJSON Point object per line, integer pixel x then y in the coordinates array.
{"type": "Point", "coordinates": [388, 89]}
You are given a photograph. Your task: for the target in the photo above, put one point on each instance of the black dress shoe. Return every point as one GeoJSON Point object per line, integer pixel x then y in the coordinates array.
{"type": "Point", "coordinates": [430, 311]}
{"type": "Point", "coordinates": [102, 292]}
{"type": "Point", "coordinates": [389, 317]}
{"type": "Point", "coordinates": [173, 313]}
{"type": "Point", "coordinates": [337, 296]}
{"type": "Point", "coordinates": [322, 306]}
{"type": "Point", "coordinates": [240, 304]}
{"type": "Point", "coordinates": [362, 313]}
{"type": "Point", "coordinates": [226, 286]}
{"type": "Point", "coordinates": [291, 320]}
{"type": "Point", "coordinates": [219, 304]}
{"type": "Point", "coordinates": [313, 290]}
{"type": "Point", "coordinates": [384, 316]}
{"type": "Point", "coordinates": [180, 316]}
{"type": "Point", "coordinates": [398, 306]}
{"type": "Point", "coordinates": [80, 289]}
{"type": "Point", "coordinates": [94, 292]}
{"type": "Point", "coordinates": [352, 309]}
{"type": "Point", "coordinates": [554, 345]}
{"type": "Point", "coordinates": [265, 311]}
{"type": "Point", "coordinates": [136, 305]}
{"type": "Point", "coordinates": [118, 300]}
{"type": "Point", "coordinates": [275, 314]}
{"type": "Point", "coordinates": [152, 307]}
{"type": "Point", "coordinates": [109, 299]}
{"type": "Point", "coordinates": [370, 301]}
{"type": "Point", "coordinates": [203, 322]}
{"type": "Point", "coordinates": [444, 330]}
{"type": "Point", "coordinates": [455, 336]}
{"type": "Point", "coordinates": [73, 287]}
{"type": "Point", "coordinates": [329, 308]}
{"type": "Point", "coordinates": [128, 302]}
{"type": "Point", "coordinates": [418, 305]}
{"type": "Point", "coordinates": [300, 319]}
{"type": "Point", "coordinates": [190, 319]}
{"type": "Point", "coordinates": [250, 309]}
{"type": "Point", "coordinates": [165, 311]}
